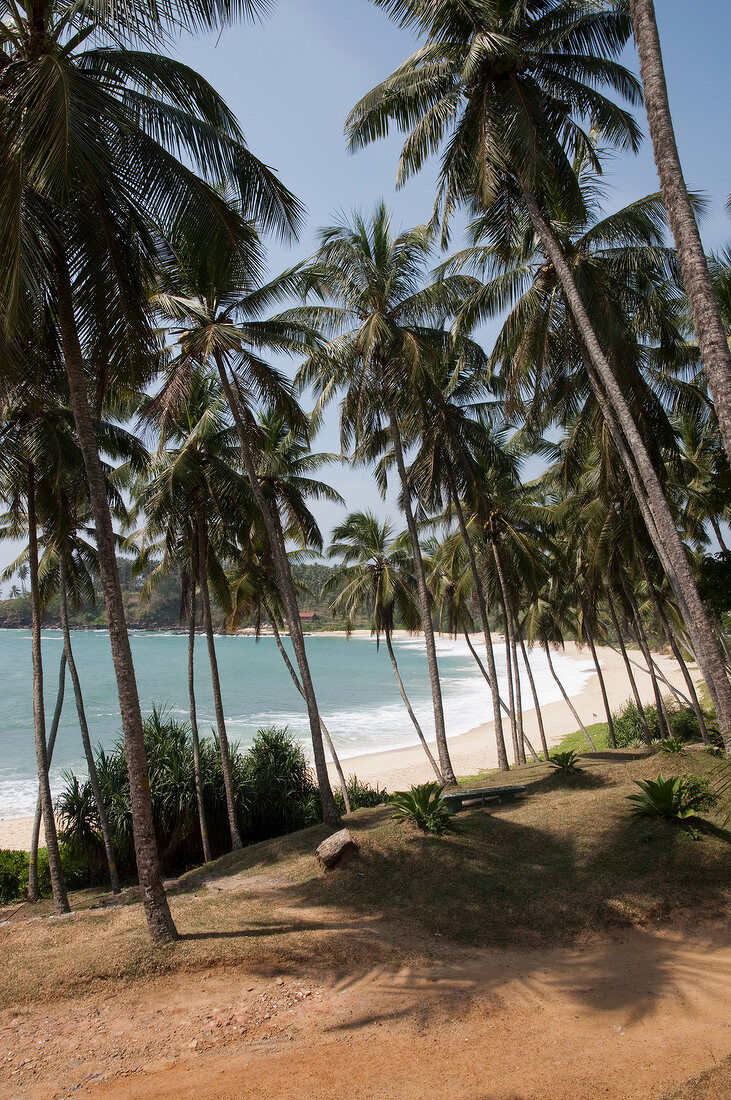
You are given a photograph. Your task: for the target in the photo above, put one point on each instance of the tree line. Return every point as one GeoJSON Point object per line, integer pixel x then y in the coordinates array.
{"type": "Point", "coordinates": [142, 397]}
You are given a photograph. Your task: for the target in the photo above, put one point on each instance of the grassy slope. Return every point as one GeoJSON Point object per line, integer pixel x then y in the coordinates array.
{"type": "Point", "coordinates": [564, 863]}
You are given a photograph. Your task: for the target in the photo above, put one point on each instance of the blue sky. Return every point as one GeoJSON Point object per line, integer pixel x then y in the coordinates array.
{"type": "Point", "coordinates": [292, 80]}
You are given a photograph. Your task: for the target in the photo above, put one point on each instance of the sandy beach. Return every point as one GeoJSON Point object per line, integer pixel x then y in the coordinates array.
{"type": "Point", "coordinates": [474, 750]}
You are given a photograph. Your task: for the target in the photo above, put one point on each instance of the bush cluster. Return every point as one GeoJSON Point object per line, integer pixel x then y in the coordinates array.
{"type": "Point", "coordinates": [274, 788]}
{"type": "Point", "coordinates": [14, 873]}
{"type": "Point", "coordinates": [628, 727]}
{"type": "Point", "coordinates": [361, 795]}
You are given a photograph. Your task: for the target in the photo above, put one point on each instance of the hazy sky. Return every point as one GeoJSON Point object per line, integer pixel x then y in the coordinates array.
{"type": "Point", "coordinates": [292, 80]}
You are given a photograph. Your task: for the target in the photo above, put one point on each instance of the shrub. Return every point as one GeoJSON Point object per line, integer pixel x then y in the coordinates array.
{"type": "Point", "coordinates": [697, 793]}
{"type": "Point", "coordinates": [567, 762]}
{"type": "Point", "coordinates": [672, 745]}
{"type": "Point", "coordinates": [14, 873]}
{"type": "Point", "coordinates": [281, 792]}
{"type": "Point", "coordinates": [679, 798]}
{"type": "Point", "coordinates": [424, 805]}
{"type": "Point", "coordinates": [683, 723]}
{"type": "Point", "coordinates": [628, 726]}
{"type": "Point", "coordinates": [274, 790]}
{"type": "Point", "coordinates": [361, 795]}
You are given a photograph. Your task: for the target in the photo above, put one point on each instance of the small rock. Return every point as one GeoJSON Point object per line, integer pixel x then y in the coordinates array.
{"type": "Point", "coordinates": [338, 848]}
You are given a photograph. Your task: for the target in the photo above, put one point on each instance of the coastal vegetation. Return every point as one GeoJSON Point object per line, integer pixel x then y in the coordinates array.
{"type": "Point", "coordinates": [155, 392]}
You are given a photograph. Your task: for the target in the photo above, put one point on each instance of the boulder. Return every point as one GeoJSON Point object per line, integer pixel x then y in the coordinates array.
{"type": "Point", "coordinates": [338, 848]}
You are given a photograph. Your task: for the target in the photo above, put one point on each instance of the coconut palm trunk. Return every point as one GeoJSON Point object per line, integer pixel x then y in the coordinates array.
{"type": "Point", "coordinates": [534, 693]}
{"type": "Point", "coordinates": [602, 686]}
{"type": "Point", "coordinates": [522, 740]}
{"type": "Point", "coordinates": [60, 900]}
{"type": "Point", "coordinates": [157, 911]}
{"type": "Point", "coordinates": [34, 892]}
{"type": "Point", "coordinates": [566, 699]}
{"type": "Point", "coordinates": [652, 500]}
{"type": "Point", "coordinates": [409, 708]}
{"type": "Point", "coordinates": [325, 732]}
{"type": "Point", "coordinates": [488, 679]}
{"type": "Point", "coordinates": [205, 842]}
{"type": "Point", "coordinates": [630, 674]}
{"type": "Point", "coordinates": [670, 635]}
{"type": "Point", "coordinates": [84, 729]}
{"type": "Point", "coordinates": [223, 745]}
{"type": "Point", "coordinates": [503, 594]}
{"type": "Point", "coordinates": [717, 532]}
{"type": "Point", "coordinates": [502, 756]}
{"type": "Point", "coordinates": [440, 732]}
{"type": "Point", "coordinates": [641, 639]}
{"type": "Point", "coordinates": [710, 332]}
{"type": "Point", "coordinates": [288, 595]}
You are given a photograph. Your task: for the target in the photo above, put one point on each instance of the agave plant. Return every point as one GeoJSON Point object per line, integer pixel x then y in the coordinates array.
{"type": "Point", "coordinates": [672, 745]}
{"type": "Point", "coordinates": [678, 798]}
{"type": "Point", "coordinates": [424, 805]}
{"type": "Point", "coordinates": [567, 762]}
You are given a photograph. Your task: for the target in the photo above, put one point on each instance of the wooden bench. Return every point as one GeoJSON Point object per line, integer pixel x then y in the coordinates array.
{"type": "Point", "coordinates": [455, 800]}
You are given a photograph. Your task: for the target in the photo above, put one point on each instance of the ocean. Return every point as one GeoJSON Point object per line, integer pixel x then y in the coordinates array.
{"type": "Point", "coordinates": [356, 692]}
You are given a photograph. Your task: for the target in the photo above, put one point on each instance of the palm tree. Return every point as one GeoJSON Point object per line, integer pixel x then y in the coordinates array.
{"type": "Point", "coordinates": [26, 462]}
{"type": "Point", "coordinates": [93, 129]}
{"type": "Point", "coordinates": [385, 326]}
{"type": "Point", "coordinates": [375, 575]}
{"type": "Point", "coordinates": [284, 463]}
{"type": "Point", "coordinates": [453, 409]}
{"type": "Point", "coordinates": [709, 327]}
{"type": "Point", "coordinates": [214, 305]}
{"type": "Point", "coordinates": [507, 86]}
{"type": "Point", "coordinates": [193, 494]}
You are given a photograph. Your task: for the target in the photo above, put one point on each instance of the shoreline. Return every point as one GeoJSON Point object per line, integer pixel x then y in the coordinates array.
{"type": "Point", "coordinates": [474, 750]}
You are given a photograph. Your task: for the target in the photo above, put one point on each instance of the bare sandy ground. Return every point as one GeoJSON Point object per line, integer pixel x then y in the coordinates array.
{"type": "Point", "coordinates": [474, 750]}
{"type": "Point", "coordinates": [625, 1019]}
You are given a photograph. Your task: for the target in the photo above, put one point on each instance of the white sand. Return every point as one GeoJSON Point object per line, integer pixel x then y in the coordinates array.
{"type": "Point", "coordinates": [473, 751]}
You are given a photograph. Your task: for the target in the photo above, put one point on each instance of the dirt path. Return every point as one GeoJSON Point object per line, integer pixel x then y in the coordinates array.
{"type": "Point", "coordinates": [621, 1019]}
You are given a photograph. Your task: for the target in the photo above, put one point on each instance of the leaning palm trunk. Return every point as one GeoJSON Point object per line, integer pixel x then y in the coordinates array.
{"type": "Point", "coordinates": [84, 728]}
{"type": "Point", "coordinates": [488, 679]}
{"type": "Point", "coordinates": [669, 634]}
{"type": "Point", "coordinates": [207, 854]}
{"type": "Point", "coordinates": [649, 492]}
{"type": "Point", "coordinates": [223, 745]}
{"type": "Point", "coordinates": [325, 732]}
{"type": "Point", "coordinates": [709, 328]}
{"type": "Point", "coordinates": [566, 699]}
{"type": "Point", "coordinates": [440, 732]}
{"type": "Point", "coordinates": [60, 900]}
{"type": "Point", "coordinates": [503, 594]}
{"type": "Point", "coordinates": [157, 911]}
{"type": "Point", "coordinates": [630, 674]}
{"type": "Point", "coordinates": [34, 891]}
{"type": "Point", "coordinates": [409, 708]}
{"type": "Point", "coordinates": [502, 756]}
{"type": "Point", "coordinates": [518, 693]}
{"type": "Point", "coordinates": [641, 640]}
{"type": "Point", "coordinates": [534, 693]}
{"type": "Point", "coordinates": [602, 685]}
{"type": "Point", "coordinates": [288, 594]}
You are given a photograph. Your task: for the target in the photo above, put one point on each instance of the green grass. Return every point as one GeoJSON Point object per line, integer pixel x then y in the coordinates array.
{"type": "Point", "coordinates": [599, 733]}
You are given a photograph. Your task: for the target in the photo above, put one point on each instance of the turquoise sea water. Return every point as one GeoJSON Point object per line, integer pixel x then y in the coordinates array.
{"type": "Point", "coordinates": [354, 682]}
